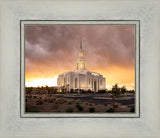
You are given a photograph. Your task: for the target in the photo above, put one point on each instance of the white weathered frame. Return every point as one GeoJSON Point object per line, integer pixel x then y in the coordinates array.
{"type": "Point", "coordinates": [12, 125]}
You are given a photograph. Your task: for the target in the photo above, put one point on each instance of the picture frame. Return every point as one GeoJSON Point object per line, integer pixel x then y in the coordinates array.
{"type": "Point", "coordinates": [136, 23]}
{"type": "Point", "coordinates": [13, 125]}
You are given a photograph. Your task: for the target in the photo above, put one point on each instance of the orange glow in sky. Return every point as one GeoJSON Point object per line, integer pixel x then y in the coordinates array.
{"type": "Point", "coordinates": [124, 77]}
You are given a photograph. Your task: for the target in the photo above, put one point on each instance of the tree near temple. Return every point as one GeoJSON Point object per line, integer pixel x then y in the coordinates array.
{"type": "Point", "coordinates": [115, 94]}
{"type": "Point", "coordinates": [123, 90]}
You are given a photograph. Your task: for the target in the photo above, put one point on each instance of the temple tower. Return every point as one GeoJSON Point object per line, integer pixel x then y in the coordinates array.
{"type": "Point", "coordinates": [81, 61]}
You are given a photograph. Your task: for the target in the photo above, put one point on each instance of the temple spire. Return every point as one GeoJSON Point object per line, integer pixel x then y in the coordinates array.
{"type": "Point", "coordinates": [81, 52]}
{"type": "Point", "coordinates": [81, 45]}
{"type": "Point", "coordinates": [81, 60]}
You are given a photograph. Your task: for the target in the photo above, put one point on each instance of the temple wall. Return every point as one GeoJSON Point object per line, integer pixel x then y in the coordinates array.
{"type": "Point", "coordinates": [74, 80]}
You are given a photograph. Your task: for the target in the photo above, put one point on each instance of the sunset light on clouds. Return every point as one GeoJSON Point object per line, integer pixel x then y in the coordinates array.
{"type": "Point", "coordinates": [53, 49]}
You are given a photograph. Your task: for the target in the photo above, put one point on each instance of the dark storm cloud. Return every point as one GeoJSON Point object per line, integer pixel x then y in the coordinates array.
{"type": "Point", "coordinates": [54, 47]}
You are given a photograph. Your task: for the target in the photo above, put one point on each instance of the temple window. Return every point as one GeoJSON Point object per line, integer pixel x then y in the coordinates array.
{"type": "Point", "coordinates": [75, 82]}
{"type": "Point", "coordinates": [64, 81]}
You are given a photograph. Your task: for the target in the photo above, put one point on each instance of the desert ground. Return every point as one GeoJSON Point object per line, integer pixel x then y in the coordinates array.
{"type": "Point", "coordinates": [80, 103]}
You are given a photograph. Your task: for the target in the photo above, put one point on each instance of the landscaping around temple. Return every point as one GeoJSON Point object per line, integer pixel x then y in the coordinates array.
{"type": "Point", "coordinates": [48, 99]}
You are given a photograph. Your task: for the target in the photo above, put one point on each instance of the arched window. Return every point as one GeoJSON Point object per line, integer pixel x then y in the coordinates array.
{"type": "Point", "coordinates": [75, 82]}
{"type": "Point", "coordinates": [83, 65]}
{"type": "Point", "coordinates": [64, 81]}
{"type": "Point", "coordinates": [77, 65]}
{"type": "Point", "coordinates": [95, 85]}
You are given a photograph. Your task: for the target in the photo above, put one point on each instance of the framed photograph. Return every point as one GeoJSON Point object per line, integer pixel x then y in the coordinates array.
{"type": "Point", "coordinates": [49, 48]}
{"type": "Point", "coordinates": [79, 69]}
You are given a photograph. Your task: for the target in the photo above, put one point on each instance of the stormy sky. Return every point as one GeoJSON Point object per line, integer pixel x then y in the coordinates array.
{"type": "Point", "coordinates": [108, 49]}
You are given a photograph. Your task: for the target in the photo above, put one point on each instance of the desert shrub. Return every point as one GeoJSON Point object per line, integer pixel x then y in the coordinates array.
{"type": "Point", "coordinates": [78, 101]}
{"type": "Point", "coordinates": [79, 107]}
{"type": "Point", "coordinates": [56, 102]}
{"type": "Point", "coordinates": [61, 99]}
{"type": "Point", "coordinates": [69, 109]}
{"type": "Point", "coordinates": [45, 100]}
{"type": "Point", "coordinates": [82, 91]}
{"type": "Point", "coordinates": [116, 105]}
{"type": "Point", "coordinates": [32, 109]}
{"type": "Point", "coordinates": [65, 101]}
{"type": "Point", "coordinates": [50, 100]}
{"type": "Point", "coordinates": [69, 102]}
{"type": "Point", "coordinates": [61, 102]}
{"type": "Point", "coordinates": [54, 99]}
{"type": "Point", "coordinates": [102, 91]}
{"type": "Point", "coordinates": [39, 102]}
{"type": "Point", "coordinates": [132, 109]}
{"type": "Point", "coordinates": [72, 91]}
{"type": "Point", "coordinates": [26, 109]}
{"type": "Point", "coordinates": [105, 104]}
{"type": "Point", "coordinates": [110, 109]}
{"type": "Point", "coordinates": [91, 109]}
{"type": "Point", "coordinates": [55, 106]}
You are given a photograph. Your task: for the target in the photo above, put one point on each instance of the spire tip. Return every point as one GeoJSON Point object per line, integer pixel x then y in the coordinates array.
{"type": "Point", "coordinates": [81, 44]}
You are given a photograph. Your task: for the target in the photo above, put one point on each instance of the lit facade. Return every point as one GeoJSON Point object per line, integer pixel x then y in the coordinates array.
{"type": "Point", "coordinates": [81, 78]}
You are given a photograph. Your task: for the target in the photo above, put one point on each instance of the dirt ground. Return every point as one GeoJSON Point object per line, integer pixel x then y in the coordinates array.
{"type": "Point", "coordinates": [72, 103]}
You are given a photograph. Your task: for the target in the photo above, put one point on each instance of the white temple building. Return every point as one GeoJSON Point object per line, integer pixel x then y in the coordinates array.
{"type": "Point", "coordinates": [81, 78]}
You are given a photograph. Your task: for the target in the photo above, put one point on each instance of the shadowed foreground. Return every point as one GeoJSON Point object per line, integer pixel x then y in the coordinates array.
{"type": "Point", "coordinates": [78, 103]}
